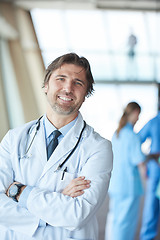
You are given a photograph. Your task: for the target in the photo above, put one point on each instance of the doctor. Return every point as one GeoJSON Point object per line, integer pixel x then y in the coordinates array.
{"type": "Point", "coordinates": [55, 197]}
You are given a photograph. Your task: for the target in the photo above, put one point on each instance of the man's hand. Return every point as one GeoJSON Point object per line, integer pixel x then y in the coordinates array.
{"type": "Point", "coordinates": [76, 187]}
{"type": "Point", "coordinates": [18, 196]}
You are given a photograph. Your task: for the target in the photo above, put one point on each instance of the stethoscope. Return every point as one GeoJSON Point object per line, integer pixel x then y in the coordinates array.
{"type": "Point", "coordinates": [33, 138]}
{"type": "Point", "coordinates": [37, 128]}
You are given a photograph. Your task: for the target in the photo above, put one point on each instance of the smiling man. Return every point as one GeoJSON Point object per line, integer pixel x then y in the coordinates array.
{"type": "Point", "coordinates": [55, 171]}
{"type": "Point", "coordinates": [66, 91]}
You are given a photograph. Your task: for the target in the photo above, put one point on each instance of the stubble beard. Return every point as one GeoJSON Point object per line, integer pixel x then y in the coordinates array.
{"type": "Point", "coordinates": [63, 110]}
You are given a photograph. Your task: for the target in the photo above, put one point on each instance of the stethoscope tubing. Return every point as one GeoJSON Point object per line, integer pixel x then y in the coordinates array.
{"type": "Point", "coordinates": [37, 129]}
{"type": "Point", "coordinates": [61, 164]}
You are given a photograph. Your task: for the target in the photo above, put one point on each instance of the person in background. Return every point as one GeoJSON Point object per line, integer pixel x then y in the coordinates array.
{"type": "Point", "coordinates": [151, 211]}
{"type": "Point", "coordinates": [55, 171]}
{"type": "Point", "coordinates": [132, 41]}
{"type": "Point", "coordinates": [158, 188]}
{"type": "Point", "coordinates": [126, 186]}
{"type": "Point", "coordinates": [131, 69]}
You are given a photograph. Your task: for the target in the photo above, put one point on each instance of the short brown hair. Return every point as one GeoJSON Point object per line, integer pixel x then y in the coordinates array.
{"type": "Point", "coordinates": [71, 58]}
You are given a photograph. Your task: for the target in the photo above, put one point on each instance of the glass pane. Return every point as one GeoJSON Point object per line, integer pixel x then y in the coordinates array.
{"type": "Point", "coordinates": [49, 27]}
{"type": "Point", "coordinates": [104, 37]}
{"type": "Point", "coordinates": [104, 109]}
{"type": "Point", "coordinates": [85, 30]}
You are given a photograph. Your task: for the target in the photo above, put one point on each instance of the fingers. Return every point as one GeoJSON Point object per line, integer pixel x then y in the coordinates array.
{"type": "Point", "coordinates": [78, 184]}
{"type": "Point", "coordinates": [78, 190]}
{"type": "Point", "coordinates": [77, 194]}
{"type": "Point", "coordinates": [76, 187]}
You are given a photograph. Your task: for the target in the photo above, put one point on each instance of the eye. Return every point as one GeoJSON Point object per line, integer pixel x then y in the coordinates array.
{"type": "Point", "coordinates": [78, 83]}
{"type": "Point", "coordinates": [60, 79]}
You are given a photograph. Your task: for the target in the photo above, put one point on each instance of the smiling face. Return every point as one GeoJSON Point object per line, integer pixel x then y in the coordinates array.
{"type": "Point", "coordinates": [66, 90]}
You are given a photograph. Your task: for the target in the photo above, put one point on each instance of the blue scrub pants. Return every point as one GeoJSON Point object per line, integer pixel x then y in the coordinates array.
{"type": "Point", "coordinates": [151, 208]}
{"type": "Point", "coordinates": [125, 211]}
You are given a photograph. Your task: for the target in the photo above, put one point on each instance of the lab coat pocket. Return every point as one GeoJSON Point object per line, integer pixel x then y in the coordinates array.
{"type": "Point", "coordinates": [65, 179]}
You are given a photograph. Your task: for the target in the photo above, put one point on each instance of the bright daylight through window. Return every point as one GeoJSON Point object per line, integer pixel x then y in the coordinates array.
{"type": "Point", "coordinates": [96, 35]}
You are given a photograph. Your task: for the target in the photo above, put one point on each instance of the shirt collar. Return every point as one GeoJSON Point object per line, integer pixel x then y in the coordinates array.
{"type": "Point", "coordinates": [49, 127]}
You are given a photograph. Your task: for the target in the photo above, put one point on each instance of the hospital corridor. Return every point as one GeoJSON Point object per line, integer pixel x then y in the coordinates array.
{"type": "Point", "coordinates": [79, 120]}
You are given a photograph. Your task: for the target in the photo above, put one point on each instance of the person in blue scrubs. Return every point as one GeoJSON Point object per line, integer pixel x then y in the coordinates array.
{"type": "Point", "coordinates": [151, 211]}
{"type": "Point", "coordinates": [126, 187]}
{"type": "Point", "coordinates": [158, 191]}
{"type": "Point", "coordinates": [158, 188]}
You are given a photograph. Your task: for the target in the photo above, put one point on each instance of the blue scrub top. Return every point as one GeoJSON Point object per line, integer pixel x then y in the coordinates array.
{"type": "Point", "coordinates": [127, 154]}
{"type": "Point", "coordinates": [152, 131]}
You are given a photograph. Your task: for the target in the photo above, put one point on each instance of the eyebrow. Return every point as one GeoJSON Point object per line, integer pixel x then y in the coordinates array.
{"type": "Point", "coordinates": [77, 79]}
{"type": "Point", "coordinates": [61, 76]}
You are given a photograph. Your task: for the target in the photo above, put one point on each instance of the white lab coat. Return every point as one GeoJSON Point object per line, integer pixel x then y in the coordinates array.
{"type": "Point", "coordinates": [66, 217]}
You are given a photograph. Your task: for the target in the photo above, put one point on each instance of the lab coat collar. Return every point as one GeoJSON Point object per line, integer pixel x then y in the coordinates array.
{"type": "Point", "coordinates": [48, 126]}
{"type": "Point", "coordinates": [40, 141]}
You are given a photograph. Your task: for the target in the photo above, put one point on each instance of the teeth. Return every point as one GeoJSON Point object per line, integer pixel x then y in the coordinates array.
{"type": "Point", "coordinates": [65, 99]}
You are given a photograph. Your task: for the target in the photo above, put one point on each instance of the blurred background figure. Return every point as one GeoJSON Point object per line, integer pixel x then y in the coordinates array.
{"type": "Point", "coordinates": [131, 52]}
{"type": "Point", "coordinates": [132, 42]}
{"type": "Point", "coordinates": [151, 211]}
{"type": "Point", "coordinates": [126, 186]}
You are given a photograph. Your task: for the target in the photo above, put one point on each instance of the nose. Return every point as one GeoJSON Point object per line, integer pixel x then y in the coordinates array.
{"type": "Point", "coordinates": [68, 87]}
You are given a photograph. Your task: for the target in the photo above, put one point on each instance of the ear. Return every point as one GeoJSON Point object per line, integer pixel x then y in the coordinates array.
{"type": "Point", "coordinates": [46, 87]}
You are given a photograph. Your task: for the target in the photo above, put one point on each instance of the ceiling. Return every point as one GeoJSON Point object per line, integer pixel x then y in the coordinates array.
{"type": "Point", "coordinates": [143, 5]}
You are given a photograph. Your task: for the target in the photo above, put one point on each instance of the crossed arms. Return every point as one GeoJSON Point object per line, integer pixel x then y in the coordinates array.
{"type": "Point", "coordinates": [74, 189]}
{"type": "Point", "coordinates": [73, 208]}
